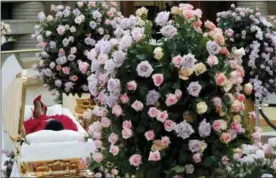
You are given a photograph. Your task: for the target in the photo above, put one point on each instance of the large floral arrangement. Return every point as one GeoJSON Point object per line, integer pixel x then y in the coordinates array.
{"type": "Point", "coordinates": [247, 28]}
{"type": "Point", "coordinates": [253, 161]}
{"type": "Point", "coordinates": [65, 39]}
{"type": "Point", "coordinates": [168, 107]}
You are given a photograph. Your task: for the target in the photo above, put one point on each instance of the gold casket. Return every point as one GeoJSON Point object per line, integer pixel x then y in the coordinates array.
{"type": "Point", "coordinates": [43, 153]}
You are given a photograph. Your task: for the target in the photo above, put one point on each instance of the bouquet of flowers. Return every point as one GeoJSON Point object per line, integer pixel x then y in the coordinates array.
{"type": "Point", "coordinates": [170, 107]}
{"type": "Point", "coordinates": [247, 28]}
{"type": "Point", "coordinates": [253, 161]}
{"type": "Point", "coordinates": [65, 39]}
{"type": "Point", "coordinates": [5, 30]}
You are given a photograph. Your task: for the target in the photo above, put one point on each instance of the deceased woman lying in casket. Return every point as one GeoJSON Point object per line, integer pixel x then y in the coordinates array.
{"type": "Point", "coordinates": [41, 121]}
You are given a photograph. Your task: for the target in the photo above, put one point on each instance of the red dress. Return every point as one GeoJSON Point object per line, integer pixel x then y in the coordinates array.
{"type": "Point", "coordinates": [34, 125]}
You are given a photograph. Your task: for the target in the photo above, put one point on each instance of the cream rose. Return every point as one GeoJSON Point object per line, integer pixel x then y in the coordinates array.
{"type": "Point", "coordinates": [200, 68]}
{"type": "Point", "coordinates": [201, 107]}
{"type": "Point", "coordinates": [185, 73]}
{"type": "Point", "coordinates": [158, 53]}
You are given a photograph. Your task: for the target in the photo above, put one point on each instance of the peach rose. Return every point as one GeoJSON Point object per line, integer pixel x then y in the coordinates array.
{"type": "Point", "coordinates": [248, 89]}
{"type": "Point", "coordinates": [200, 68]}
{"type": "Point", "coordinates": [226, 137]}
{"type": "Point", "coordinates": [184, 73]}
{"type": "Point", "coordinates": [220, 79]}
{"type": "Point", "coordinates": [209, 25]}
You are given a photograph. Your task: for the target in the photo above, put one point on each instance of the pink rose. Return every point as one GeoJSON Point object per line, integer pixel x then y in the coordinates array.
{"type": "Point", "coordinates": [127, 133]}
{"type": "Point", "coordinates": [137, 105]}
{"type": "Point", "coordinates": [220, 79]}
{"type": "Point", "coordinates": [114, 150]}
{"type": "Point", "coordinates": [197, 158]}
{"type": "Point", "coordinates": [127, 124]}
{"type": "Point", "coordinates": [171, 99]}
{"type": "Point", "coordinates": [177, 61]}
{"type": "Point", "coordinates": [256, 136]}
{"type": "Point", "coordinates": [274, 164]}
{"type": "Point", "coordinates": [107, 22]}
{"type": "Point", "coordinates": [101, 98]}
{"type": "Point", "coordinates": [229, 32]}
{"type": "Point", "coordinates": [178, 94]}
{"type": "Point", "coordinates": [124, 98]}
{"type": "Point", "coordinates": [237, 127]}
{"type": "Point", "coordinates": [97, 135]}
{"type": "Point", "coordinates": [197, 13]}
{"type": "Point", "coordinates": [59, 68]}
{"type": "Point", "coordinates": [248, 89]}
{"type": "Point", "coordinates": [117, 110]}
{"type": "Point", "coordinates": [216, 125]}
{"type": "Point", "coordinates": [113, 138]}
{"type": "Point", "coordinates": [169, 125]}
{"type": "Point", "coordinates": [224, 51]}
{"type": "Point", "coordinates": [98, 143]}
{"type": "Point", "coordinates": [98, 157]}
{"type": "Point", "coordinates": [240, 97]}
{"type": "Point", "coordinates": [158, 79]}
{"type": "Point", "coordinates": [61, 52]}
{"type": "Point", "coordinates": [135, 160]}
{"type": "Point", "coordinates": [212, 60]}
{"type": "Point", "coordinates": [162, 116]}
{"type": "Point", "coordinates": [165, 141]}
{"type": "Point", "coordinates": [83, 66]}
{"type": "Point", "coordinates": [197, 24]}
{"type": "Point", "coordinates": [237, 106]}
{"type": "Point", "coordinates": [66, 70]}
{"type": "Point", "coordinates": [153, 111]}
{"type": "Point", "coordinates": [154, 156]}
{"type": "Point", "coordinates": [110, 13]}
{"type": "Point", "coordinates": [92, 3]}
{"type": "Point", "coordinates": [103, 79]}
{"type": "Point", "coordinates": [132, 85]}
{"type": "Point", "coordinates": [225, 160]}
{"type": "Point", "coordinates": [252, 115]}
{"type": "Point", "coordinates": [226, 137]}
{"type": "Point", "coordinates": [210, 25]}
{"type": "Point", "coordinates": [74, 78]}
{"type": "Point", "coordinates": [150, 135]}
{"type": "Point", "coordinates": [237, 156]}
{"type": "Point", "coordinates": [105, 122]}
{"type": "Point", "coordinates": [61, 29]}
{"type": "Point", "coordinates": [267, 149]}
{"type": "Point", "coordinates": [185, 6]}
{"type": "Point", "coordinates": [188, 14]}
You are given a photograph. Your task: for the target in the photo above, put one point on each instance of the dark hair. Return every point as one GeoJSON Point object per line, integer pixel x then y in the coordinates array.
{"type": "Point", "coordinates": [54, 125]}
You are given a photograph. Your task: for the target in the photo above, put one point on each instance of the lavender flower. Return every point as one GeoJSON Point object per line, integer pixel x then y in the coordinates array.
{"type": "Point", "coordinates": [71, 57]}
{"type": "Point", "coordinates": [103, 46]}
{"type": "Point", "coordinates": [96, 15]}
{"type": "Point", "coordinates": [93, 24]}
{"type": "Point", "coordinates": [114, 85]}
{"type": "Point", "coordinates": [162, 18]}
{"type": "Point", "coordinates": [125, 42]}
{"type": "Point", "coordinates": [76, 12]}
{"type": "Point", "coordinates": [152, 97]}
{"type": "Point", "coordinates": [144, 69]}
{"type": "Point", "coordinates": [212, 47]}
{"type": "Point", "coordinates": [189, 61]}
{"type": "Point", "coordinates": [204, 128]}
{"type": "Point", "coordinates": [41, 16]}
{"type": "Point", "coordinates": [84, 87]}
{"type": "Point", "coordinates": [168, 31]}
{"type": "Point", "coordinates": [194, 89]}
{"type": "Point", "coordinates": [184, 130]}
{"type": "Point", "coordinates": [52, 65]}
{"type": "Point", "coordinates": [66, 12]}
{"type": "Point", "coordinates": [110, 67]}
{"type": "Point", "coordinates": [118, 58]}
{"type": "Point", "coordinates": [194, 145]}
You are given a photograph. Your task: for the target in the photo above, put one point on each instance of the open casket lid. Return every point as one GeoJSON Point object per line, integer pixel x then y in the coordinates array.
{"type": "Point", "coordinates": [13, 105]}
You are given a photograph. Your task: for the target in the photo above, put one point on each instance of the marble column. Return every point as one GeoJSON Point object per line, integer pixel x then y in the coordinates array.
{"type": "Point", "coordinates": [261, 5]}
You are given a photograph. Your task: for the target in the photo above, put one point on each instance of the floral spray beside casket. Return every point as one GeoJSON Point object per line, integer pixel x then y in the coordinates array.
{"type": "Point", "coordinates": [170, 107]}
{"type": "Point", "coordinates": [65, 39]}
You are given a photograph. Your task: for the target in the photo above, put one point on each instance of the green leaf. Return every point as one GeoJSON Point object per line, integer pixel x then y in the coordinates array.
{"type": "Point", "coordinates": [178, 169]}
{"type": "Point", "coordinates": [207, 161]}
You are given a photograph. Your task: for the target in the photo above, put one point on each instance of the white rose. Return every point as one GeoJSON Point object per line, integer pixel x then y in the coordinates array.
{"type": "Point", "coordinates": [50, 18]}
{"type": "Point", "coordinates": [73, 29]}
{"type": "Point", "coordinates": [48, 33]}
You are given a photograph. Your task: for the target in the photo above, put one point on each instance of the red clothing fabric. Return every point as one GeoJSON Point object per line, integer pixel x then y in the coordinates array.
{"type": "Point", "coordinates": [34, 125]}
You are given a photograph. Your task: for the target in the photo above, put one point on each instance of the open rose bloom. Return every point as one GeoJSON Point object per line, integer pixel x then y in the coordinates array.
{"type": "Point", "coordinates": [252, 160]}
{"type": "Point", "coordinates": [247, 28]}
{"type": "Point", "coordinates": [66, 36]}
{"type": "Point", "coordinates": [187, 93]}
